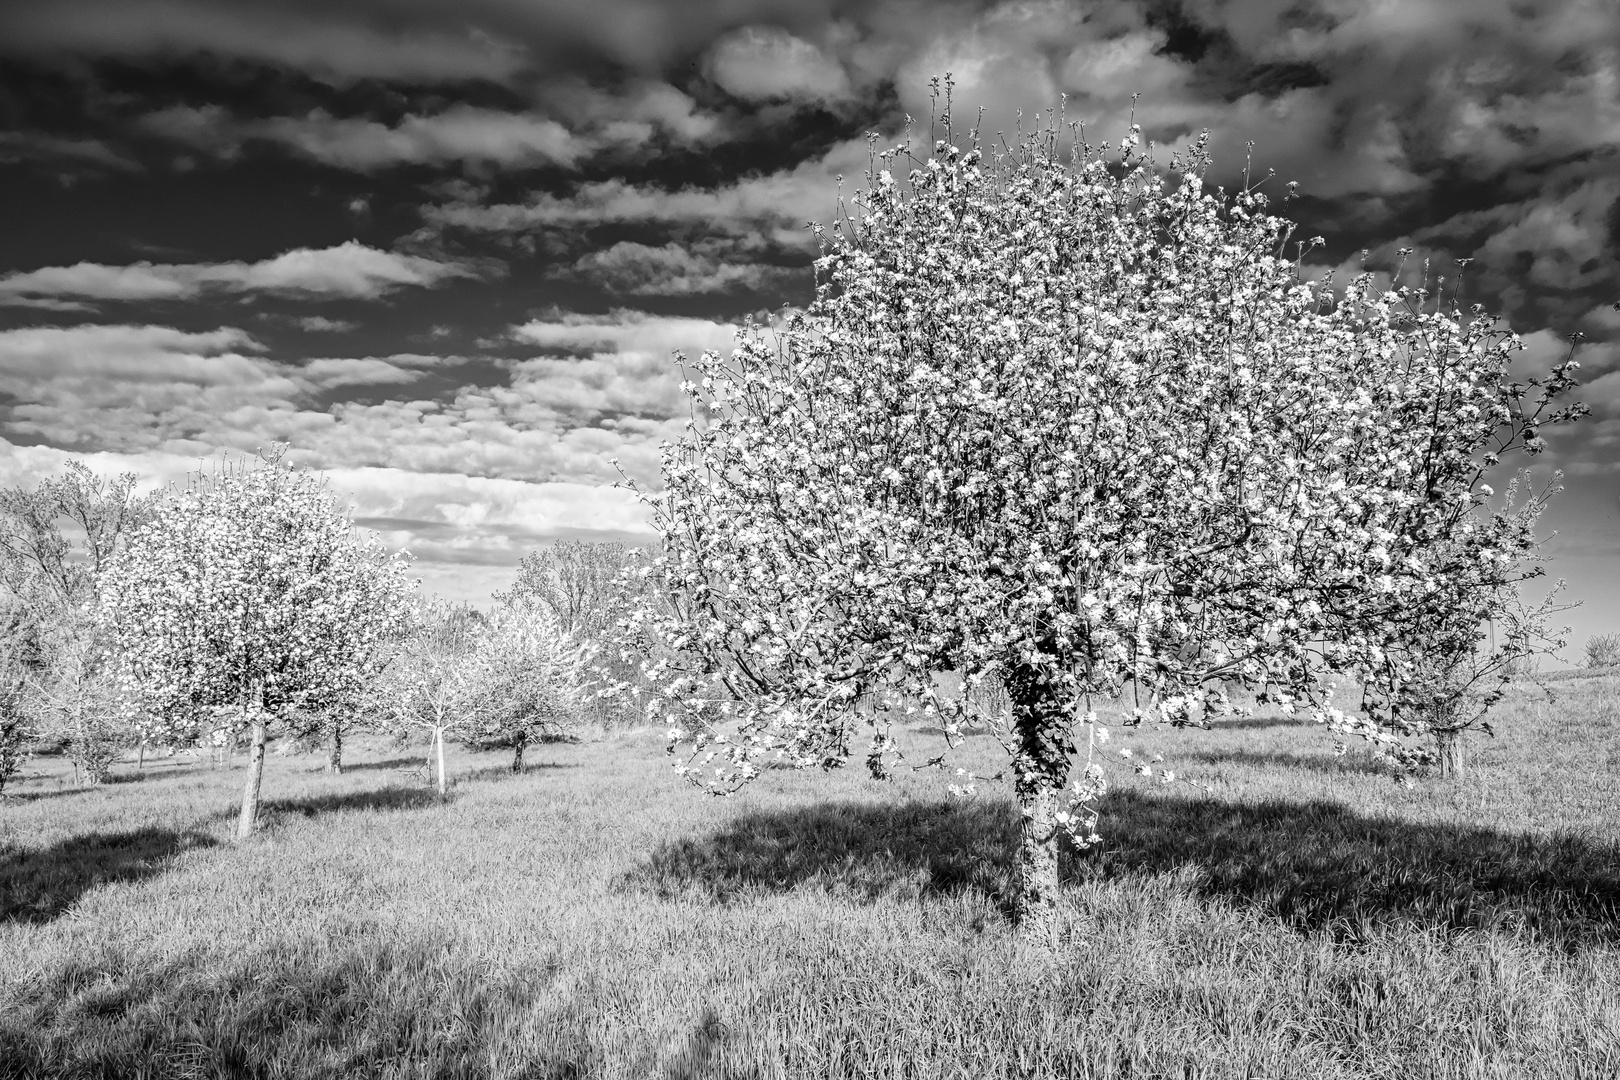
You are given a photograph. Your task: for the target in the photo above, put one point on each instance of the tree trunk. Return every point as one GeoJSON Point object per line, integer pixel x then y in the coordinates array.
{"type": "Point", "coordinates": [140, 757]}
{"type": "Point", "coordinates": [519, 741]}
{"type": "Point", "coordinates": [250, 794]}
{"type": "Point", "coordinates": [334, 760]}
{"type": "Point", "coordinates": [1039, 771]}
{"type": "Point", "coordinates": [1448, 749]}
{"type": "Point", "coordinates": [438, 736]}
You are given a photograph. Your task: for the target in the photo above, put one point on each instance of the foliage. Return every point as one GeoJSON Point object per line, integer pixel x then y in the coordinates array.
{"type": "Point", "coordinates": [530, 677]}
{"type": "Point", "coordinates": [1443, 670]}
{"type": "Point", "coordinates": [250, 595]}
{"type": "Point", "coordinates": [49, 576]}
{"type": "Point", "coordinates": [1602, 650]}
{"type": "Point", "coordinates": [432, 680]}
{"type": "Point", "coordinates": [14, 719]}
{"type": "Point", "coordinates": [1071, 423]}
{"type": "Point", "coordinates": [77, 698]}
{"type": "Point", "coordinates": [591, 590]}
{"type": "Point", "coordinates": [35, 556]}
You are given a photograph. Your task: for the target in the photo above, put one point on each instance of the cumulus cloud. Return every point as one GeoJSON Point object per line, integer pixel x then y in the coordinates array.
{"type": "Point", "coordinates": [349, 270]}
{"type": "Point", "coordinates": [597, 122]}
{"type": "Point", "coordinates": [336, 45]}
{"type": "Point", "coordinates": [773, 207]}
{"type": "Point", "coordinates": [759, 63]}
{"type": "Point", "coordinates": [456, 135]}
{"type": "Point", "coordinates": [629, 268]}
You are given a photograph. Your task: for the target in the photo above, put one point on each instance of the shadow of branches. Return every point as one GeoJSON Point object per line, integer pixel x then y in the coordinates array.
{"type": "Point", "coordinates": [38, 886]}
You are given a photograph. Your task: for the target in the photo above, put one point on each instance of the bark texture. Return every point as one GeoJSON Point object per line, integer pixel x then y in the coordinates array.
{"type": "Point", "coordinates": [250, 794]}
{"type": "Point", "coordinates": [1448, 749]}
{"type": "Point", "coordinates": [1041, 725]}
{"type": "Point", "coordinates": [519, 741]}
{"type": "Point", "coordinates": [334, 759]}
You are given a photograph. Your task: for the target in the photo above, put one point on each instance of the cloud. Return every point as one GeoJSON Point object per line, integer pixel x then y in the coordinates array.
{"type": "Point", "coordinates": [629, 268]}
{"type": "Point", "coordinates": [466, 533]}
{"type": "Point", "coordinates": [128, 388]}
{"type": "Point", "coordinates": [597, 122]}
{"type": "Point", "coordinates": [760, 63]}
{"type": "Point", "coordinates": [599, 388]}
{"type": "Point", "coordinates": [335, 45]}
{"type": "Point", "coordinates": [320, 324]}
{"type": "Point", "coordinates": [461, 134]}
{"type": "Point", "coordinates": [350, 270]}
{"type": "Point", "coordinates": [773, 207]}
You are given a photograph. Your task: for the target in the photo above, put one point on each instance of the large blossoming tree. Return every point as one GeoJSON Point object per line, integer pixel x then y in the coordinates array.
{"type": "Point", "coordinates": [249, 596]}
{"type": "Point", "coordinates": [1070, 422]}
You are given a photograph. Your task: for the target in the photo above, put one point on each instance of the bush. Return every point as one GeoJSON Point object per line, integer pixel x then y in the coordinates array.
{"type": "Point", "coordinates": [1603, 650]}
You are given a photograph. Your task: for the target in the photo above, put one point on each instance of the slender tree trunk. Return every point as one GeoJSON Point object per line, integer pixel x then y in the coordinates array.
{"type": "Point", "coordinates": [334, 760]}
{"type": "Point", "coordinates": [438, 737]}
{"type": "Point", "coordinates": [250, 794]}
{"type": "Point", "coordinates": [140, 757]}
{"type": "Point", "coordinates": [1448, 748]}
{"type": "Point", "coordinates": [519, 741]}
{"type": "Point", "coordinates": [1040, 769]}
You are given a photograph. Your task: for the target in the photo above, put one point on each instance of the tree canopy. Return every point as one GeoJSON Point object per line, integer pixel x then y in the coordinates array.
{"type": "Point", "coordinates": [1070, 421]}
{"type": "Point", "coordinates": [250, 594]}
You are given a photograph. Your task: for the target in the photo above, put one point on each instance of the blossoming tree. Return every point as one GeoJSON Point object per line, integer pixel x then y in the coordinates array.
{"type": "Point", "coordinates": [250, 595]}
{"type": "Point", "coordinates": [1071, 422]}
{"type": "Point", "coordinates": [433, 681]}
{"type": "Point", "coordinates": [532, 678]}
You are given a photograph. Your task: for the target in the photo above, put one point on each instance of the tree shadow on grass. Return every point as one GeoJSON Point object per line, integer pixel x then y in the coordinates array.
{"type": "Point", "coordinates": [337, 802]}
{"type": "Point", "coordinates": [1315, 866]}
{"type": "Point", "coordinates": [1323, 761]}
{"type": "Point", "coordinates": [380, 1003]}
{"type": "Point", "coordinates": [856, 851]}
{"type": "Point", "coordinates": [38, 885]}
{"type": "Point", "coordinates": [416, 762]}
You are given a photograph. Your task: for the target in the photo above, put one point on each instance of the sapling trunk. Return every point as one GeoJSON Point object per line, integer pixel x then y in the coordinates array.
{"type": "Point", "coordinates": [1039, 771]}
{"type": "Point", "coordinates": [438, 737]}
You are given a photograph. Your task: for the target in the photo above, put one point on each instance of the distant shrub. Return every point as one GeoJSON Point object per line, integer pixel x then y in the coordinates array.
{"type": "Point", "coordinates": [1603, 650]}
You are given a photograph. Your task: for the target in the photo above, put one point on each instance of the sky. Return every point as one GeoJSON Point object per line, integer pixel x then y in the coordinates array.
{"type": "Point", "coordinates": [446, 251]}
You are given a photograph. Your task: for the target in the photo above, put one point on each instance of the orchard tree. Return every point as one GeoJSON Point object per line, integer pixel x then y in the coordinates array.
{"type": "Point", "coordinates": [1067, 421]}
{"type": "Point", "coordinates": [590, 589]}
{"type": "Point", "coordinates": [1444, 670]}
{"type": "Point", "coordinates": [533, 679]}
{"type": "Point", "coordinates": [249, 596]}
{"type": "Point", "coordinates": [434, 679]}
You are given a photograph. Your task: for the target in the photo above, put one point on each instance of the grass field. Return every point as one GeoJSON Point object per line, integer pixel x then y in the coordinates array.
{"type": "Point", "coordinates": [1308, 917]}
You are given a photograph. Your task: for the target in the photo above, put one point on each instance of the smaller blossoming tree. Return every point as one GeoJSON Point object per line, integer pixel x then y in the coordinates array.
{"type": "Point", "coordinates": [533, 679]}
{"type": "Point", "coordinates": [250, 595]}
{"type": "Point", "coordinates": [433, 681]}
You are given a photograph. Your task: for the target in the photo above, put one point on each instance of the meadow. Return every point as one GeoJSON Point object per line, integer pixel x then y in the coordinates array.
{"type": "Point", "coordinates": [1305, 916]}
